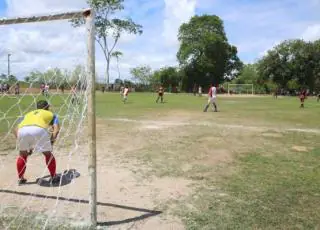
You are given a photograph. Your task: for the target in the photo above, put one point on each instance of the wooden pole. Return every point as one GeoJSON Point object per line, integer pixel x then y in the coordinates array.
{"type": "Point", "coordinates": [53, 17]}
{"type": "Point", "coordinates": [92, 161]}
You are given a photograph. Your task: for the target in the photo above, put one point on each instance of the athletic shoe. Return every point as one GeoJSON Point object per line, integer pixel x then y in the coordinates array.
{"type": "Point", "coordinates": [22, 181]}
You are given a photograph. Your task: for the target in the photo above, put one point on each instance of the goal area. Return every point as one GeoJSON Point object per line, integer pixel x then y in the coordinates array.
{"type": "Point", "coordinates": [240, 89]}
{"type": "Point", "coordinates": [48, 60]}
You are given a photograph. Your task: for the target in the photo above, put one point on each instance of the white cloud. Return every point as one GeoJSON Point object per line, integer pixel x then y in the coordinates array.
{"type": "Point", "coordinates": [312, 33]}
{"type": "Point", "coordinates": [36, 46]}
{"type": "Point", "coordinates": [176, 13]}
{"type": "Point", "coordinates": [253, 27]}
{"type": "Point", "coordinates": [34, 7]}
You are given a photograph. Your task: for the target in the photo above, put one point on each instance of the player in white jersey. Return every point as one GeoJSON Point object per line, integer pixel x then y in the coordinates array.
{"type": "Point", "coordinates": [125, 94]}
{"type": "Point", "coordinates": [212, 96]}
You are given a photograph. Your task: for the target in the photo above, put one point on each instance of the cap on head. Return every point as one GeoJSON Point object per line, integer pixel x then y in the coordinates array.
{"type": "Point", "coordinates": [42, 104]}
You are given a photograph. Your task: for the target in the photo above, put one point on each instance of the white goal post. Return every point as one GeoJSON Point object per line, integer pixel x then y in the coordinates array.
{"type": "Point", "coordinates": [241, 89]}
{"type": "Point", "coordinates": [89, 16]}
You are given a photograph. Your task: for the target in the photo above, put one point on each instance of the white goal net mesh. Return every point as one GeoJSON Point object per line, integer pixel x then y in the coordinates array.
{"type": "Point", "coordinates": [43, 61]}
{"type": "Point", "coordinates": [247, 89]}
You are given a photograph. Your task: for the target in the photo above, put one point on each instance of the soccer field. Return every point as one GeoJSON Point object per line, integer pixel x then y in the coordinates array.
{"type": "Point", "coordinates": [252, 165]}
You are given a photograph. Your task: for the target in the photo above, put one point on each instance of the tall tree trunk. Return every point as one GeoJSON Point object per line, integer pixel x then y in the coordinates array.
{"type": "Point", "coordinates": [107, 74]}
{"type": "Point", "coordinates": [118, 69]}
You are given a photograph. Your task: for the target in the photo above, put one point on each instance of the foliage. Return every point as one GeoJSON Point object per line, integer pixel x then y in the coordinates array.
{"type": "Point", "coordinates": [204, 53]}
{"type": "Point", "coordinates": [142, 74]}
{"type": "Point", "coordinates": [293, 64]}
{"type": "Point", "coordinates": [117, 55]}
{"type": "Point", "coordinates": [58, 78]}
{"type": "Point", "coordinates": [109, 28]}
{"type": "Point", "coordinates": [167, 76]}
{"type": "Point", "coordinates": [248, 75]}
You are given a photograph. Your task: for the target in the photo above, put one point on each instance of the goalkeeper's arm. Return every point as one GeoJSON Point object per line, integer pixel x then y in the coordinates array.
{"type": "Point", "coordinates": [55, 133]}
{"type": "Point", "coordinates": [55, 129]}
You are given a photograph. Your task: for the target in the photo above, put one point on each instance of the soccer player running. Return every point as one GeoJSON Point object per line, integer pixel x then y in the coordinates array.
{"type": "Point", "coordinates": [33, 135]}
{"type": "Point", "coordinates": [160, 94]}
{"type": "Point", "coordinates": [212, 95]}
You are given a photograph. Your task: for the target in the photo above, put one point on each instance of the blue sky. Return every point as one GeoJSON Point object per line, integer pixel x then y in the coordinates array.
{"type": "Point", "coordinates": [254, 26]}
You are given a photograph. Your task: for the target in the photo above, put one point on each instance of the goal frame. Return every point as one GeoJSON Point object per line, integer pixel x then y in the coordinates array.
{"type": "Point", "coordinates": [232, 84]}
{"type": "Point", "coordinates": [89, 16]}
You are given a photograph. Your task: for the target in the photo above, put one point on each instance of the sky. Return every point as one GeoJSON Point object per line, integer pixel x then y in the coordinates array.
{"type": "Point", "coordinates": [254, 26]}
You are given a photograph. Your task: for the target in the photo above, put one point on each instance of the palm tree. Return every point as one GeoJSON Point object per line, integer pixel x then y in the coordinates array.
{"type": "Point", "coordinates": [117, 55]}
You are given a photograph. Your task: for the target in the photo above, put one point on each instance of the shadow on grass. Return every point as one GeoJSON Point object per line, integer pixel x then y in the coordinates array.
{"type": "Point", "coordinates": [147, 213]}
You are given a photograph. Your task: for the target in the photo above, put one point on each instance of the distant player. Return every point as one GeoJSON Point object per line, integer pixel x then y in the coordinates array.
{"type": "Point", "coordinates": [212, 96]}
{"type": "Point", "coordinates": [318, 97]}
{"type": "Point", "coordinates": [46, 90]}
{"type": "Point", "coordinates": [125, 94]}
{"type": "Point", "coordinates": [32, 135]}
{"type": "Point", "coordinates": [121, 91]}
{"type": "Point", "coordinates": [42, 88]}
{"type": "Point", "coordinates": [17, 89]}
{"type": "Point", "coordinates": [302, 96]}
{"type": "Point", "coordinates": [160, 94]}
{"type": "Point", "coordinates": [200, 91]}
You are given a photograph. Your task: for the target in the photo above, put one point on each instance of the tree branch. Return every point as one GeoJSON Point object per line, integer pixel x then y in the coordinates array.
{"type": "Point", "coordinates": [103, 49]}
{"type": "Point", "coordinates": [115, 43]}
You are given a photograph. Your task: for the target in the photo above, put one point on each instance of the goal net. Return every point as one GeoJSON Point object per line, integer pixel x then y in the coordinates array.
{"type": "Point", "coordinates": [44, 180]}
{"type": "Point", "coordinates": [246, 89]}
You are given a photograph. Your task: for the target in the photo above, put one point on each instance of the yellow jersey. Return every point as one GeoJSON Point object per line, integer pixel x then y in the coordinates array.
{"type": "Point", "coordinates": [40, 117]}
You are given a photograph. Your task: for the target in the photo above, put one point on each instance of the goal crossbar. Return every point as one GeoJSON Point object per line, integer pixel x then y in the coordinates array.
{"type": "Point", "coordinates": [43, 18]}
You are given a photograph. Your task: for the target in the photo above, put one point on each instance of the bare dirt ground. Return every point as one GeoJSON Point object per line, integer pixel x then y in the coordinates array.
{"type": "Point", "coordinates": [128, 199]}
{"type": "Point", "coordinates": [129, 196]}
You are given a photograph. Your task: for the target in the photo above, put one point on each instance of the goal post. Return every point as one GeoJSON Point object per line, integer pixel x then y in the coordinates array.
{"type": "Point", "coordinates": [247, 89]}
{"type": "Point", "coordinates": [89, 17]}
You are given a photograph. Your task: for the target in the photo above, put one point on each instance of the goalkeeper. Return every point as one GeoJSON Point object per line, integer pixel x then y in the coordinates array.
{"type": "Point", "coordinates": [33, 135]}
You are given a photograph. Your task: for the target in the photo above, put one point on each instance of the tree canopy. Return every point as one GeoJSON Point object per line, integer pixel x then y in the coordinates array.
{"type": "Point", "coordinates": [109, 28]}
{"type": "Point", "coordinates": [291, 65]}
{"type": "Point", "coordinates": [204, 53]}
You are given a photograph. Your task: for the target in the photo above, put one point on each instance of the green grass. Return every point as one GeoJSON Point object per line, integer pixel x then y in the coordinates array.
{"type": "Point", "coordinates": [243, 178]}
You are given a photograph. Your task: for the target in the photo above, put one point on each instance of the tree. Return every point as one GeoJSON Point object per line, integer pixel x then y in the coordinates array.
{"type": "Point", "coordinates": [35, 77]}
{"type": "Point", "coordinates": [167, 76]}
{"type": "Point", "coordinates": [291, 64]}
{"type": "Point", "coordinates": [117, 55]}
{"type": "Point", "coordinates": [248, 75]}
{"type": "Point", "coordinates": [204, 53]}
{"type": "Point", "coordinates": [3, 78]}
{"type": "Point", "coordinates": [142, 74]}
{"type": "Point", "coordinates": [118, 81]}
{"type": "Point", "coordinates": [109, 28]}
{"type": "Point", "coordinates": [12, 79]}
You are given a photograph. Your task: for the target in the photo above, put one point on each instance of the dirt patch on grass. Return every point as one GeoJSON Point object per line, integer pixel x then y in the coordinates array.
{"type": "Point", "coordinates": [274, 134]}
{"type": "Point", "coordinates": [127, 198]}
{"type": "Point", "coordinates": [216, 156]}
{"type": "Point", "coordinates": [300, 148]}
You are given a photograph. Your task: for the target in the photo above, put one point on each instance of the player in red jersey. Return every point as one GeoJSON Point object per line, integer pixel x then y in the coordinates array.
{"type": "Point", "coordinates": [302, 96]}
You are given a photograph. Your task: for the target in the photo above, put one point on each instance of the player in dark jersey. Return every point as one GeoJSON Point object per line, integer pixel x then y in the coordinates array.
{"type": "Point", "coordinates": [302, 96]}
{"type": "Point", "coordinates": [160, 94]}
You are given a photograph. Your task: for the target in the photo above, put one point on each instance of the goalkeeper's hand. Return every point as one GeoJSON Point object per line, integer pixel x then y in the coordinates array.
{"type": "Point", "coordinates": [53, 139]}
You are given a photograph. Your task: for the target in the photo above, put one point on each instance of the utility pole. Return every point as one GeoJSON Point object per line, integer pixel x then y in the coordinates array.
{"type": "Point", "coordinates": [9, 65]}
